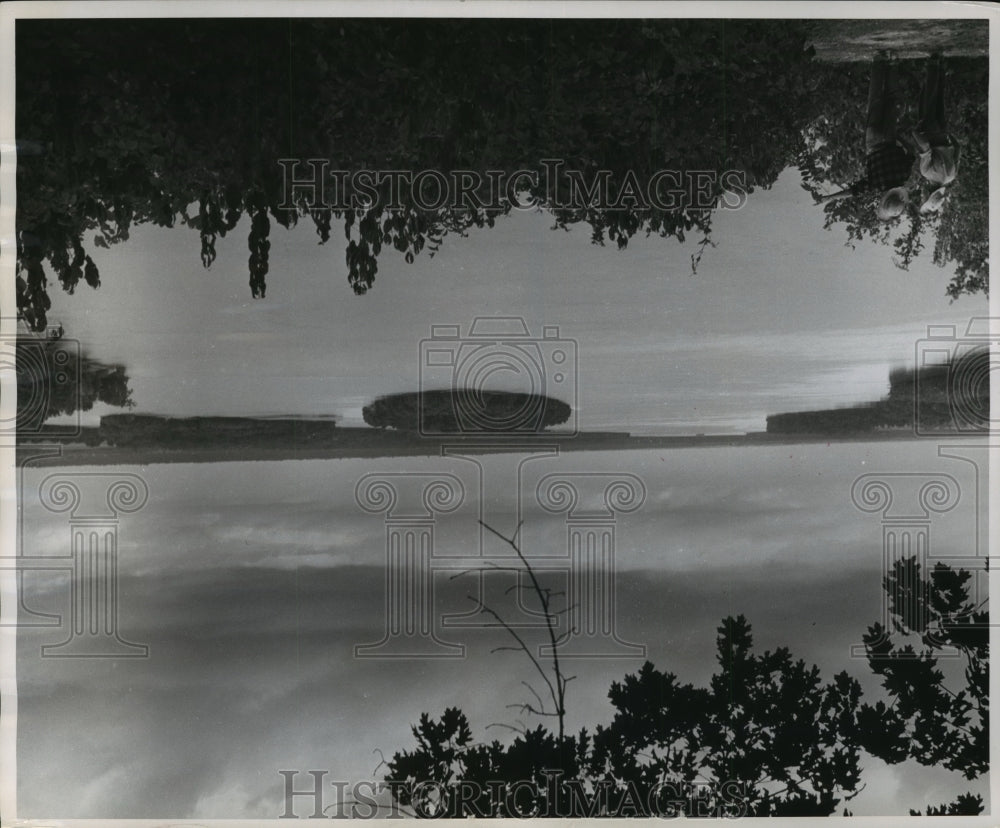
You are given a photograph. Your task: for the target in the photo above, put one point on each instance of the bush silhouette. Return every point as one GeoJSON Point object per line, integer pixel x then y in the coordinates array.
{"type": "Point", "coordinates": [466, 411]}
{"type": "Point", "coordinates": [767, 736]}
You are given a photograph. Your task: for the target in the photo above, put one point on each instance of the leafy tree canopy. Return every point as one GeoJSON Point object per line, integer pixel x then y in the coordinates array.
{"type": "Point", "coordinates": [176, 122]}
{"type": "Point", "coordinates": [766, 737]}
{"type": "Point", "coordinates": [929, 717]}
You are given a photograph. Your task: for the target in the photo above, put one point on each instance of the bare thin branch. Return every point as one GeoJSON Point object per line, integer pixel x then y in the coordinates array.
{"type": "Point", "coordinates": [486, 565]}
{"type": "Point", "coordinates": [524, 648]}
{"type": "Point", "coordinates": [533, 693]}
{"type": "Point", "coordinates": [526, 707]}
{"type": "Point", "coordinates": [557, 691]}
{"type": "Point", "coordinates": [522, 730]}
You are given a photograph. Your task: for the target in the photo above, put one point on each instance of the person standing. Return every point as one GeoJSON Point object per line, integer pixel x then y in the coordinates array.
{"type": "Point", "coordinates": [888, 163]}
{"type": "Point", "coordinates": [938, 152]}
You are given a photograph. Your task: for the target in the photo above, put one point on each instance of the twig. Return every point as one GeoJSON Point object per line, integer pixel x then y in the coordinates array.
{"type": "Point", "coordinates": [486, 565]}
{"type": "Point", "coordinates": [533, 693]}
{"type": "Point", "coordinates": [522, 730]}
{"type": "Point", "coordinates": [522, 646]}
{"type": "Point", "coordinates": [849, 797]}
{"type": "Point", "coordinates": [559, 691]}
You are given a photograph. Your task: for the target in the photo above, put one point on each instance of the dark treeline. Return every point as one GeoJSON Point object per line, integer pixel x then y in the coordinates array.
{"type": "Point", "coordinates": [466, 410]}
{"type": "Point", "coordinates": [158, 431]}
{"type": "Point", "coordinates": [951, 397]}
{"type": "Point", "coordinates": [411, 414]}
{"type": "Point", "coordinates": [174, 122]}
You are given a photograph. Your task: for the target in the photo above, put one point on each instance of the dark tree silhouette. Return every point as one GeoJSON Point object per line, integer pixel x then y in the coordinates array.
{"type": "Point", "coordinates": [466, 410]}
{"type": "Point", "coordinates": [930, 717]}
{"type": "Point", "coordinates": [54, 377]}
{"type": "Point", "coordinates": [174, 122]}
{"type": "Point", "coordinates": [766, 722]}
{"type": "Point", "coordinates": [766, 737]}
{"type": "Point", "coordinates": [965, 804]}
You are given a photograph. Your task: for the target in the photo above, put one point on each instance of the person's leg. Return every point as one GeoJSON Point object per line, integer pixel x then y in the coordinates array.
{"type": "Point", "coordinates": [923, 111]}
{"type": "Point", "coordinates": [881, 123]}
{"type": "Point", "coordinates": [932, 124]}
{"type": "Point", "coordinates": [892, 104]}
{"type": "Point", "coordinates": [937, 102]}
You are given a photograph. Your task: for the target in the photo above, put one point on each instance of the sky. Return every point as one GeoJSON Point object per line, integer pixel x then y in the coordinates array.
{"type": "Point", "coordinates": [780, 316]}
{"type": "Point", "coordinates": [252, 582]}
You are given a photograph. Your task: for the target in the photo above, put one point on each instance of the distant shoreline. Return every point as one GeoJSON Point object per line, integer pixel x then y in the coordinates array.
{"type": "Point", "coordinates": [365, 442]}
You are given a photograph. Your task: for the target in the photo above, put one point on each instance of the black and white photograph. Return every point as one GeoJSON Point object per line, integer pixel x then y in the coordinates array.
{"type": "Point", "coordinates": [480, 410]}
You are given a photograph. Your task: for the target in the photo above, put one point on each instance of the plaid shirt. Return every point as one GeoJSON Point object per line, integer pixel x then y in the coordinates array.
{"type": "Point", "coordinates": [887, 166]}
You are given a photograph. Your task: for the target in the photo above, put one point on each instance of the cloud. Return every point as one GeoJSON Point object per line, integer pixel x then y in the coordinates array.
{"type": "Point", "coordinates": [252, 583]}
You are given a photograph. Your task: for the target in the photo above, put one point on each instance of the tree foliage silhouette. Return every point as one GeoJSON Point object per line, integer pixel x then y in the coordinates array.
{"type": "Point", "coordinates": [932, 717]}
{"type": "Point", "coordinates": [466, 410]}
{"type": "Point", "coordinates": [767, 722]}
{"type": "Point", "coordinates": [174, 122]}
{"type": "Point", "coordinates": [766, 737]}
{"type": "Point", "coordinates": [966, 804]}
